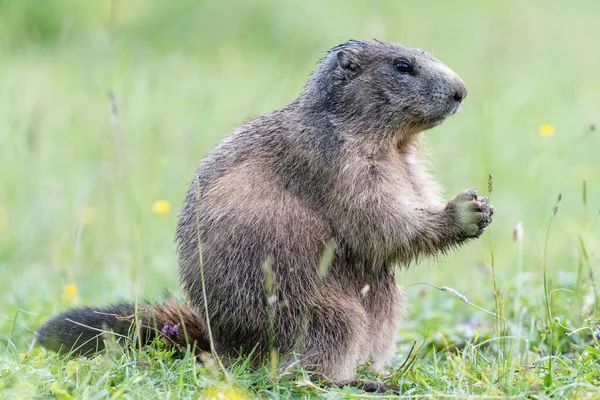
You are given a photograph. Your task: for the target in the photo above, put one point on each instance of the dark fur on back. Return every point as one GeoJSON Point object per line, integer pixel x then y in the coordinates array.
{"type": "Point", "coordinates": [340, 168]}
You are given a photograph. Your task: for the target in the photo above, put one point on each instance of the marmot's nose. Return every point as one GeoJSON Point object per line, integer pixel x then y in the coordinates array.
{"type": "Point", "coordinates": [460, 92]}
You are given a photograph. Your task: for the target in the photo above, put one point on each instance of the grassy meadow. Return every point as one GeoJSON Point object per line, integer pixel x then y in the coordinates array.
{"type": "Point", "coordinates": [107, 106]}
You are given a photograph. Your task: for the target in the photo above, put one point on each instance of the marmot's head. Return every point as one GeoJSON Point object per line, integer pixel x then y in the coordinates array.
{"type": "Point", "coordinates": [384, 83]}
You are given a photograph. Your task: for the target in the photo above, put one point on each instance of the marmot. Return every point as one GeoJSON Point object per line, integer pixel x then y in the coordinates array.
{"type": "Point", "coordinates": [338, 171]}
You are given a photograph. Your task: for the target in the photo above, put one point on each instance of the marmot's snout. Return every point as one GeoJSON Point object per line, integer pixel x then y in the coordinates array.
{"type": "Point", "coordinates": [460, 92]}
{"type": "Point", "coordinates": [450, 85]}
{"type": "Point", "coordinates": [450, 92]}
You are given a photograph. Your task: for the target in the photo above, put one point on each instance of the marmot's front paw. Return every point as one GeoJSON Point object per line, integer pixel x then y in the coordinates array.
{"type": "Point", "coordinates": [471, 213]}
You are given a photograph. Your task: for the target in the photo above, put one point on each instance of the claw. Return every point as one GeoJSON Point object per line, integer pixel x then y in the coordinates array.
{"type": "Point", "coordinates": [467, 195]}
{"type": "Point", "coordinates": [472, 192]}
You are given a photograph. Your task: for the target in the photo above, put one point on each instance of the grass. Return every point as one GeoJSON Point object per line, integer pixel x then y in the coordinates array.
{"type": "Point", "coordinates": [90, 183]}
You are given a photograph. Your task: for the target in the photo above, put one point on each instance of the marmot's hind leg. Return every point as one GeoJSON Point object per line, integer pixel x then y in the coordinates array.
{"type": "Point", "coordinates": [384, 327]}
{"type": "Point", "coordinates": [336, 340]}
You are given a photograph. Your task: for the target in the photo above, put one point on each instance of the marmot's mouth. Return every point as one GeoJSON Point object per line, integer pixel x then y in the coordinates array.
{"type": "Point", "coordinates": [428, 123]}
{"type": "Point", "coordinates": [438, 120]}
{"type": "Point", "coordinates": [455, 108]}
{"type": "Point", "coordinates": [452, 109]}
{"type": "Point", "coordinates": [424, 122]}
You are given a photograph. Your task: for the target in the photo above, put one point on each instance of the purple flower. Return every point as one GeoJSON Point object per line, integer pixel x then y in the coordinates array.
{"type": "Point", "coordinates": [171, 332]}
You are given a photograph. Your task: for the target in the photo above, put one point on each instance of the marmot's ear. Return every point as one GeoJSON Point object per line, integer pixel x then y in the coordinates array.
{"type": "Point", "coordinates": [348, 60]}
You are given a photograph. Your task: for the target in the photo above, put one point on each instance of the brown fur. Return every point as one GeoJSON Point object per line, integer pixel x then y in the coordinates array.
{"type": "Point", "coordinates": [341, 166]}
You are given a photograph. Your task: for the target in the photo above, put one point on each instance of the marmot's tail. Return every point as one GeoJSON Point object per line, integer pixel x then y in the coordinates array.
{"type": "Point", "coordinates": [83, 331]}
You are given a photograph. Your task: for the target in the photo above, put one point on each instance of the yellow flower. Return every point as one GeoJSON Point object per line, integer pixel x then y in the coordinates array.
{"type": "Point", "coordinates": [3, 216]}
{"type": "Point", "coordinates": [161, 207]}
{"type": "Point", "coordinates": [59, 392]}
{"type": "Point", "coordinates": [88, 215]}
{"type": "Point", "coordinates": [545, 129]}
{"type": "Point", "coordinates": [70, 293]}
{"type": "Point", "coordinates": [228, 392]}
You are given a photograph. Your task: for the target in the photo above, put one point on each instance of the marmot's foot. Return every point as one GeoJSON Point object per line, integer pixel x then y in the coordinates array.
{"type": "Point", "coordinates": [472, 214]}
{"type": "Point", "coordinates": [368, 386]}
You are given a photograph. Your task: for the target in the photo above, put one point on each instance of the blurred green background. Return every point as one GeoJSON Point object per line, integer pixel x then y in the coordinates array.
{"type": "Point", "coordinates": [89, 196]}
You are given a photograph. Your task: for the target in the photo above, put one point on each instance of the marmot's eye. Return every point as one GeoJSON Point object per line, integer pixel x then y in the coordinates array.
{"type": "Point", "coordinates": [403, 66]}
